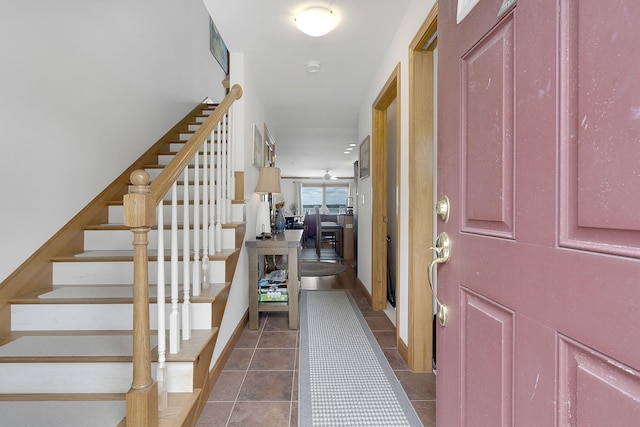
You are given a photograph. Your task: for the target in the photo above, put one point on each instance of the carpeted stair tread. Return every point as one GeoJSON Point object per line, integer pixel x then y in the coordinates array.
{"type": "Point", "coordinates": [180, 203]}
{"type": "Point", "coordinates": [93, 346]}
{"type": "Point", "coordinates": [167, 226]}
{"type": "Point", "coordinates": [70, 348]}
{"type": "Point", "coordinates": [109, 294]}
{"type": "Point", "coordinates": [127, 256]}
{"type": "Point", "coordinates": [56, 413]}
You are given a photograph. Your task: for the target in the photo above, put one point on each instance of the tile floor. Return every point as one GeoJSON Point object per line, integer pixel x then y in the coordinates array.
{"type": "Point", "coordinates": [259, 384]}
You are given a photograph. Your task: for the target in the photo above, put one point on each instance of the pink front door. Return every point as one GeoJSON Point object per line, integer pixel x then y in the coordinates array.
{"type": "Point", "coordinates": [539, 153]}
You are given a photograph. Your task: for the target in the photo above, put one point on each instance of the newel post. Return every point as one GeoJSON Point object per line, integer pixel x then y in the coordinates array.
{"type": "Point", "coordinates": [140, 216]}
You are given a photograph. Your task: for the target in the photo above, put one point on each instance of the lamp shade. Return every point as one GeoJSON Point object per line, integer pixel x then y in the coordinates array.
{"type": "Point", "coordinates": [269, 181]}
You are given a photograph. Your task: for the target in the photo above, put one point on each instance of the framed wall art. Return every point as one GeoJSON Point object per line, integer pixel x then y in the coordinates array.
{"type": "Point", "coordinates": [363, 159]}
{"type": "Point", "coordinates": [258, 148]}
{"type": "Point", "coordinates": [218, 48]}
{"type": "Point", "coordinates": [269, 148]}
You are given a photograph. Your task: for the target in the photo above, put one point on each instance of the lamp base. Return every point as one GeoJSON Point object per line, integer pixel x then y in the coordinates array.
{"type": "Point", "coordinates": [263, 220]}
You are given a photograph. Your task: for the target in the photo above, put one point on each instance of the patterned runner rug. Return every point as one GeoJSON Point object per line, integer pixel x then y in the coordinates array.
{"type": "Point", "coordinates": [345, 379]}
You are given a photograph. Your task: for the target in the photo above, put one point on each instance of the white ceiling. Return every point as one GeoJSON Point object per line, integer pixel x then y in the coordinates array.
{"type": "Point", "coordinates": [312, 117]}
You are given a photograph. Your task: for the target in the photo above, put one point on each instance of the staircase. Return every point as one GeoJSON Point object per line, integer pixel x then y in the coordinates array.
{"type": "Point", "coordinates": [66, 343]}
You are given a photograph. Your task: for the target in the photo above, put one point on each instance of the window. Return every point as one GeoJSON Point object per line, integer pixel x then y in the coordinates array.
{"type": "Point", "coordinates": [333, 196]}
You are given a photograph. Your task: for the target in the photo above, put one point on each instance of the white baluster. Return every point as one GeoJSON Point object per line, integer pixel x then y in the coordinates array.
{"type": "Point", "coordinates": [220, 170]}
{"type": "Point", "coordinates": [186, 259]}
{"type": "Point", "coordinates": [230, 184]}
{"type": "Point", "coordinates": [223, 198]}
{"type": "Point", "coordinates": [234, 156]}
{"type": "Point", "coordinates": [174, 317]}
{"type": "Point", "coordinates": [205, 220]}
{"type": "Point", "coordinates": [161, 376]}
{"type": "Point", "coordinates": [213, 185]}
{"type": "Point", "coordinates": [196, 227]}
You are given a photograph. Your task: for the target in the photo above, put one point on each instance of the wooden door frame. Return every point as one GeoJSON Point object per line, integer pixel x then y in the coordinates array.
{"type": "Point", "coordinates": [390, 92]}
{"type": "Point", "coordinates": [421, 183]}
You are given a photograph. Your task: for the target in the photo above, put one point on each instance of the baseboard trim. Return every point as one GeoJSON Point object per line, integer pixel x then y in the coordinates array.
{"type": "Point", "coordinates": [214, 374]}
{"type": "Point", "coordinates": [364, 291]}
{"type": "Point", "coordinates": [403, 349]}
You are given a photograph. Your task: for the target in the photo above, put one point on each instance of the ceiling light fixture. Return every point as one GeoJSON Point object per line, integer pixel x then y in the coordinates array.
{"type": "Point", "coordinates": [316, 21]}
{"type": "Point", "coordinates": [328, 177]}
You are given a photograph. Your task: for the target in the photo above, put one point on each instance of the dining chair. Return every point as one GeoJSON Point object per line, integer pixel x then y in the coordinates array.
{"type": "Point", "coordinates": [320, 237]}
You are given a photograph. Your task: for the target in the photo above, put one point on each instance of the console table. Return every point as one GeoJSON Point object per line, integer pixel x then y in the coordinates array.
{"type": "Point", "coordinates": [287, 243]}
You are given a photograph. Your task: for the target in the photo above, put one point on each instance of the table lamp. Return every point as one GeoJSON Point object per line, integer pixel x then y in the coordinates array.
{"type": "Point", "coordinates": [268, 183]}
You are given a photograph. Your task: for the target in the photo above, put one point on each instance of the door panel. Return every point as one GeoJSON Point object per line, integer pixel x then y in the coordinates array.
{"type": "Point", "coordinates": [600, 127]}
{"type": "Point", "coordinates": [487, 117]}
{"type": "Point", "coordinates": [487, 381]}
{"type": "Point", "coordinates": [539, 154]}
{"type": "Point", "coordinates": [585, 377]}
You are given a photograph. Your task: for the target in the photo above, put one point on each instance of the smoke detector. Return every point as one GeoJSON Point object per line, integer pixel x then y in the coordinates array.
{"type": "Point", "coordinates": [313, 66]}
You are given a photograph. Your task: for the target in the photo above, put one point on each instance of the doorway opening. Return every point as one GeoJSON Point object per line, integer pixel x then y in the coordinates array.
{"type": "Point", "coordinates": [422, 173]}
{"type": "Point", "coordinates": [388, 96]}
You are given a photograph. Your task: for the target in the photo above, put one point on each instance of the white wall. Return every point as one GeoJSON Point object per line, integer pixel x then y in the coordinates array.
{"type": "Point", "coordinates": [397, 52]}
{"type": "Point", "coordinates": [85, 88]}
{"type": "Point", "coordinates": [247, 111]}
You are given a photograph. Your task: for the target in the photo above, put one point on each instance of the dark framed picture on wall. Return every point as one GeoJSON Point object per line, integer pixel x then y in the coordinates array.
{"type": "Point", "coordinates": [363, 159]}
{"type": "Point", "coordinates": [218, 48]}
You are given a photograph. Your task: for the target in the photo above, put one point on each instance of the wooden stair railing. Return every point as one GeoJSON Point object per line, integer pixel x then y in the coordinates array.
{"type": "Point", "coordinates": [140, 215]}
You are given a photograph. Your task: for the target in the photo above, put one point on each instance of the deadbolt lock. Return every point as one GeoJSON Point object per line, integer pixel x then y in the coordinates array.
{"type": "Point", "coordinates": [443, 208]}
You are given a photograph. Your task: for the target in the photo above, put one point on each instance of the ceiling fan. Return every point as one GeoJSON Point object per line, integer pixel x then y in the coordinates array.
{"type": "Point", "coordinates": [328, 177]}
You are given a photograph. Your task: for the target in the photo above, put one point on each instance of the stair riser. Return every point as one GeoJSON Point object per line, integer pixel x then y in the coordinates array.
{"type": "Point", "coordinates": [122, 239]}
{"type": "Point", "coordinates": [199, 121]}
{"type": "Point", "coordinates": [177, 146]}
{"type": "Point", "coordinates": [238, 212]}
{"type": "Point", "coordinates": [154, 172]}
{"type": "Point", "coordinates": [191, 188]}
{"type": "Point", "coordinates": [120, 273]}
{"type": "Point", "coordinates": [116, 213]}
{"type": "Point", "coordinates": [78, 377]}
{"type": "Point", "coordinates": [164, 160]}
{"type": "Point", "coordinates": [94, 317]}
